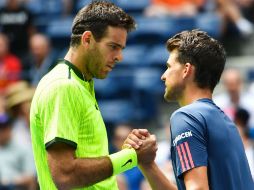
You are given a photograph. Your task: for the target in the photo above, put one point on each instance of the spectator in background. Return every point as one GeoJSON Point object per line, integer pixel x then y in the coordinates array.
{"type": "Point", "coordinates": [16, 23]}
{"type": "Point", "coordinates": [241, 121]}
{"type": "Point", "coordinates": [41, 59]}
{"type": "Point", "coordinates": [234, 96]}
{"type": "Point", "coordinates": [10, 66]}
{"type": "Point", "coordinates": [18, 100]}
{"type": "Point", "coordinates": [247, 8]}
{"type": "Point", "coordinates": [69, 7]}
{"type": "Point", "coordinates": [133, 177]}
{"type": "Point", "coordinates": [230, 12]}
{"type": "Point", "coordinates": [174, 7]}
{"type": "Point", "coordinates": [227, 9]}
{"type": "Point", "coordinates": [16, 164]}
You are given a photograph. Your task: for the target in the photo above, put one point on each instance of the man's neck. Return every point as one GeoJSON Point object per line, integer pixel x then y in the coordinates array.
{"type": "Point", "coordinates": [77, 60]}
{"type": "Point", "coordinates": [193, 93]}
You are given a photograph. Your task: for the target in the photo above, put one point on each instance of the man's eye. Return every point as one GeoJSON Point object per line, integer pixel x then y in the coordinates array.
{"type": "Point", "coordinates": [113, 47]}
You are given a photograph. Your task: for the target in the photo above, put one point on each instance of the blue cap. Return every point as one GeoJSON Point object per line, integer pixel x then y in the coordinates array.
{"type": "Point", "coordinates": [5, 120]}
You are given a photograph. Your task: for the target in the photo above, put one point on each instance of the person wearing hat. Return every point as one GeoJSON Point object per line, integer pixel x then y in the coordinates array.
{"type": "Point", "coordinates": [18, 101]}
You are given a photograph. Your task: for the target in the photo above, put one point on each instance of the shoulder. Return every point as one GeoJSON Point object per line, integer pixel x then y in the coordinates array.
{"type": "Point", "coordinates": [56, 83]}
{"type": "Point", "coordinates": [190, 118]}
{"type": "Point", "coordinates": [189, 110]}
{"type": "Point", "coordinates": [58, 87]}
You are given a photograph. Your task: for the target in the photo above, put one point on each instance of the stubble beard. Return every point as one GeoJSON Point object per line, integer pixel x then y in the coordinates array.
{"type": "Point", "coordinates": [96, 61]}
{"type": "Point", "coordinates": [174, 94]}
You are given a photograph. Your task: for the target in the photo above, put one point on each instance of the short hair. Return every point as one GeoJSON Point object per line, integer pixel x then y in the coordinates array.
{"type": "Point", "coordinates": [242, 116]}
{"type": "Point", "coordinates": [205, 53]}
{"type": "Point", "coordinates": [96, 17]}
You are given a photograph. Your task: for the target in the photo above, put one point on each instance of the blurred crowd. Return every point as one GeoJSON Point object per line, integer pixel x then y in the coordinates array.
{"type": "Point", "coordinates": [27, 53]}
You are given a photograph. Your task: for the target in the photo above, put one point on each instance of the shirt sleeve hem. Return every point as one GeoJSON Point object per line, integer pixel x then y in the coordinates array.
{"type": "Point", "coordinates": [61, 140]}
{"type": "Point", "coordinates": [180, 174]}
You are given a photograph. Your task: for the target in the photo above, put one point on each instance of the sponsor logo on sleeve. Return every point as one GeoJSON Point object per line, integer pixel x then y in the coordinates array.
{"type": "Point", "coordinates": [183, 135]}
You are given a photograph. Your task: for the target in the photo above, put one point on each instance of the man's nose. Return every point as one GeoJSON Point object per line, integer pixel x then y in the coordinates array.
{"type": "Point", "coordinates": [163, 77]}
{"type": "Point", "coordinates": [119, 57]}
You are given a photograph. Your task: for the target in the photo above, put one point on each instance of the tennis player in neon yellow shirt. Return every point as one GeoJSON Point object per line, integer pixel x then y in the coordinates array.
{"type": "Point", "coordinates": [68, 133]}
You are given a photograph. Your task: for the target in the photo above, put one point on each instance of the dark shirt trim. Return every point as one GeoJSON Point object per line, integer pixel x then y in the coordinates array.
{"type": "Point", "coordinates": [60, 140]}
{"type": "Point", "coordinates": [69, 75]}
{"type": "Point", "coordinates": [73, 67]}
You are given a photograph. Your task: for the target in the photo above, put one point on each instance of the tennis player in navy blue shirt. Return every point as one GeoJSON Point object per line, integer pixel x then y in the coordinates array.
{"type": "Point", "coordinates": [206, 148]}
{"type": "Point", "coordinates": [203, 136]}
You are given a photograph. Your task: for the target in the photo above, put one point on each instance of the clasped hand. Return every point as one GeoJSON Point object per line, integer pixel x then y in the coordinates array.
{"type": "Point", "coordinates": [144, 143]}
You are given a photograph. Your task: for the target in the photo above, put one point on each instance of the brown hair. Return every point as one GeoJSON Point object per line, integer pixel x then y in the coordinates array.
{"type": "Point", "coordinates": [96, 17]}
{"type": "Point", "coordinates": [205, 53]}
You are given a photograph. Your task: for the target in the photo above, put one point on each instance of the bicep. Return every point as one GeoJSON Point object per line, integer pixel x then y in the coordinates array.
{"type": "Point", "coordinates": [196, 179]}
{"type": "Point", "coordinates": [60, 160]}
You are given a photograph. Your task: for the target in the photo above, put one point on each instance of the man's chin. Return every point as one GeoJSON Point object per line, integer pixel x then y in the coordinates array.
{"type": "Point", "coordinates": [168, 98]}
{"type": "Point", "coordinates": [101, 76]}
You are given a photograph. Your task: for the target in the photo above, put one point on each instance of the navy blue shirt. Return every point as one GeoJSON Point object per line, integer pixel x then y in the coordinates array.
{"type": "Point", "coordinates": [202, 135]}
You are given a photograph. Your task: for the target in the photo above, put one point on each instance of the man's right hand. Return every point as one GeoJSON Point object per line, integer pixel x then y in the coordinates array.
{"type": "Point", "coordinates": [145, 145]}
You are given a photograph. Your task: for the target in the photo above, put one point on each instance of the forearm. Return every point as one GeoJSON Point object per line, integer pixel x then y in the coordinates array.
{"type": "Point", "coordinates": [81, 172]}
{"type": "Point", "coordinates": [156, 178]}
{"type": "Point", "coordinates": [91, 170]}
{"type": "Point", "coordinates": [69, 172]}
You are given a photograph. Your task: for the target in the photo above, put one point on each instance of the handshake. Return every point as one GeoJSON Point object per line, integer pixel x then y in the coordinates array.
{"type": "Point", "coordinates": [145, 145]}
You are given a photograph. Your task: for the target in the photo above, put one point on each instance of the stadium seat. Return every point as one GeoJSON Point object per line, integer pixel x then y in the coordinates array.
{"type": "Point", "coordinates": [150, 30]}
{"type": "Point", "coordinates": [148, 79]}
{"type": "Point", "coordinates": [158, 30]}
{"type": "Point", "coordinates": [35, 7]}
{"type": "Point", "coordinates": [59, 30]}
{"type": "Point", "coordinates": [51, 8]}
{"type": "Point", "coordinates": [2, 3]}
{"type": "Point", "coordinates": [158, 56]}
{"type": "Point", "coordinates": [81, 3]}
{"type": "Point", "coordinates": [133, 6]}
{"type": "Point", "coordinates": [210, 23]}
{"type": "Point", "coordinates": [250, 75]}
{"type": "Point", "coordinates": [133, 55]}
{"type": "Point", "coordinates": [181, 24]}
{"type": "Point", "coordinates": [118, 83]}
{"type": "Point", "coordinates": [148, 89]}
{"type": "Point", "coordinates": [116, 111]}
{"type": "Point", "coordinates": [251, 133]}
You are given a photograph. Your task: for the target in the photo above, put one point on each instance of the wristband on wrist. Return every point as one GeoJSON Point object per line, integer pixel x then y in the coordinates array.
{"type": "Point", "coordinates": [123, 160]}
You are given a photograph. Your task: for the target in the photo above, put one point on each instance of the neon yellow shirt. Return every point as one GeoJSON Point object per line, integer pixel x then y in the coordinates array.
{"type": "Point", "coordinates": [64, 109]}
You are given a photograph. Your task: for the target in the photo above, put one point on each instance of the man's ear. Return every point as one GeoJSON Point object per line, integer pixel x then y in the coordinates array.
{"type": "Point", "coordinates": [188, 70]}
{"type": "Point", "coordinates": [86, 38]}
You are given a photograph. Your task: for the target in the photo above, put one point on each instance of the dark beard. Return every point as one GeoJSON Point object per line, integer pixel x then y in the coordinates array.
{"type": "Point", "coordinates": [95, 59]}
